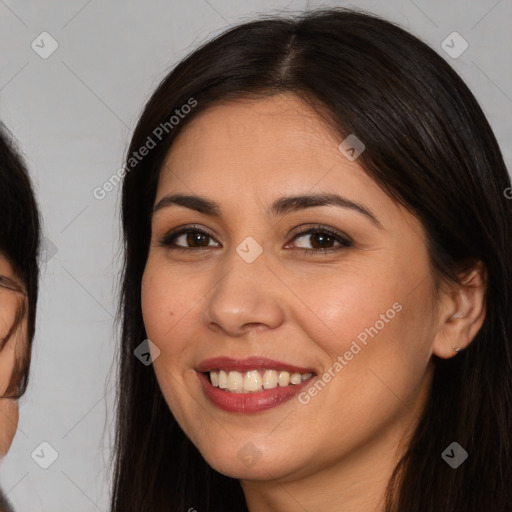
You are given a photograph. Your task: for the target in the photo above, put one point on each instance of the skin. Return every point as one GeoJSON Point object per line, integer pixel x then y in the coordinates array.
{"type": "Point", "coordinates": [9, 304]}
{"type": "Point", "coordinates": [337, 452]}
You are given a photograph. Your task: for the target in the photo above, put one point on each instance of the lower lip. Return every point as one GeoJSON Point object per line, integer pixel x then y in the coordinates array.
{"type": "Point", "coordinates": [250, 402]}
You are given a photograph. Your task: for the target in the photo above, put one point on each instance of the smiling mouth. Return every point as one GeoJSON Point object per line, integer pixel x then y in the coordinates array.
{"type": "Point", "coordinates": [255, 381]}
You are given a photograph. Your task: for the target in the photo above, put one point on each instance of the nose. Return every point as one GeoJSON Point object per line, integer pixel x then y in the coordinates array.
{"type": "Point", "coordinates": [245, 297]}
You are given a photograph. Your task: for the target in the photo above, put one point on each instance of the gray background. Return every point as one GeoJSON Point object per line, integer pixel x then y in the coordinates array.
{"type": "Point", "coordinates": [73, 113]}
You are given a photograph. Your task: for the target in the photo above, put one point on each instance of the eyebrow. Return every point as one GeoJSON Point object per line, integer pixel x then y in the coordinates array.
{"type": "Point", "coordinates": [282, 206]}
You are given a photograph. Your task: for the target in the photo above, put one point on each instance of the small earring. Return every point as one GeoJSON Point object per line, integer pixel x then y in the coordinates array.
{"type": "Point", "coordinates": [456, 349]}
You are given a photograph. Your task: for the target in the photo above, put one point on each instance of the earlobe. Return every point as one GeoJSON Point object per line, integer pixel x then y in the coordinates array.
{"type": "Point", "coordinates": [464, 314]}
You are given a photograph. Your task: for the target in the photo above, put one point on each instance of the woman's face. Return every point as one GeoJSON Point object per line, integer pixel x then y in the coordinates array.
{"type": "Point", "coordinates": [246, 288]}
{"type": "Point", "coordinates": [9, 305]}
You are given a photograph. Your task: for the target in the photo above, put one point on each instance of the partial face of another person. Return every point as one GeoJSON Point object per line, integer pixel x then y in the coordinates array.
{"type": "Point", "coordinates": [10, 303]}
{"type": "Point", "coordinates": [297, 286]}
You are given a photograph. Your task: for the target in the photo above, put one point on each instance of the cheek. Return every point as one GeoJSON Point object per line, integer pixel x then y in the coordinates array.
{"type": "Point", "coordinates": [8, 308]}
{"type": "Point", "coordinates": [8, 424]}
{"type": "Point", "coordinates": [372, 329]}
{"type": "Point", "coordinates": [340, 307]}
{"type": "Point", "coordinates": [163, 302]}
{"type": "Point", "coordinates": [171, 303]}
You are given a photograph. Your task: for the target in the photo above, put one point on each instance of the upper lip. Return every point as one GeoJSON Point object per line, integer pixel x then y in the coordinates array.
{"type": "Point", "coordinates": [250, 363]}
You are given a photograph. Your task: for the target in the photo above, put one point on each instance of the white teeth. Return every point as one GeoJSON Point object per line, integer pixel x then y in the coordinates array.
{"type": "Point", "coordinates": [295, 378]}
{"type": "Point", "coordinates": [270, 379]}
{"type": "Point", "coordinates": [284, 379]}
{"type": "Point", "coordinates": [252, 381]}
{"type": "Point", "coordinates": [235, 382]}
{"type": "Point", "coordinates": [223, 379]}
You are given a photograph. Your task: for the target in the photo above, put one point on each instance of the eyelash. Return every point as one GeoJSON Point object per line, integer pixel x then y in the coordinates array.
{"type": "Point", "coordinates": [344, 240]}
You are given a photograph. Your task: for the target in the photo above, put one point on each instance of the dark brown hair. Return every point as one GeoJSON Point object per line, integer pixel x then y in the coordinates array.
{"type": "Point", "coordinates": [431, 148]}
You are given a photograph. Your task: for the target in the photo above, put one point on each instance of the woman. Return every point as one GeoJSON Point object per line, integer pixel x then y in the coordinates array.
{"type": "Point", "coordinates": [19, 271]}
{"type": "Point", "coordinates": [316, 262]}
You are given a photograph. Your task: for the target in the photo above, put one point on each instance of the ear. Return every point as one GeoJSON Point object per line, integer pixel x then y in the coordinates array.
{"type": "Point", "coordinates": [461, 313]}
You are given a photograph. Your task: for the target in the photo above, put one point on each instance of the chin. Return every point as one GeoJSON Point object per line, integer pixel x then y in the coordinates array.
{"type": "Point", "coordinates": [249, 463]}
{"type": "Point", "coordinates": [259, 472]}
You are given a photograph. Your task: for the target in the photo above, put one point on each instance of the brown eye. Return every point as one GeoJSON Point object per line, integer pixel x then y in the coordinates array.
{"type": "Point", "coordinates": [191, 237]}
{"type": "Point", "coordinates": [322, 240]}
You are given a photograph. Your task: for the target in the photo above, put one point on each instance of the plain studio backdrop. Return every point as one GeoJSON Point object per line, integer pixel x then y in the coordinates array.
{"type": "Point", "coordinates": [73, 78]}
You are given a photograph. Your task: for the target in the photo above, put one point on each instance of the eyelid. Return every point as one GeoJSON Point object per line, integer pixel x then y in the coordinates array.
{"type": "Point", "coordinates": [181, 230]}
{"type": "Point", "coordinates": [342, 238]}
{"type": "Point", "coordinates": [308, 228]}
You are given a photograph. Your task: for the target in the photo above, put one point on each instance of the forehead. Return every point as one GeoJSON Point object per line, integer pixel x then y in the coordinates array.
{"type": "Point", "coordinates": [259, 117]}
{"type": "Point", "coordinates": [261, 145]}
{"type": "Point", "coordinates": [5, 266]}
